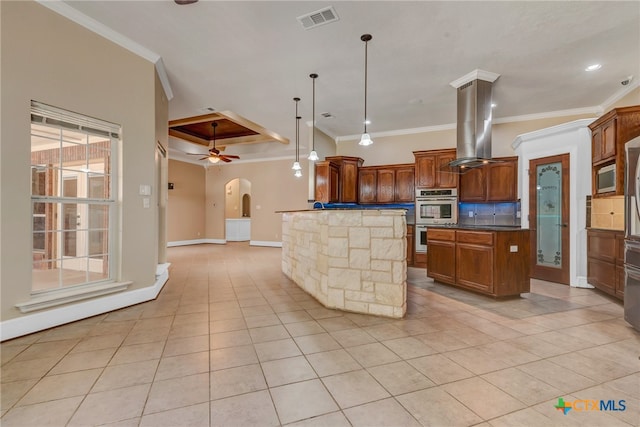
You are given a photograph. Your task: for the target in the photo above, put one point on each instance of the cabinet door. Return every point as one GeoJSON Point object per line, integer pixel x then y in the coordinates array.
{"type": "Point", "coordinates": [367, 183]}
{"type": "Point", "coordinates": [441, 261]}
{"type": "Point", "coordinates": [445, 179]}
{"type": "Point", "coordinates": [426, 171]}
{"type": "Point", "coordinates": [502, 181]}
{"type": "Point", "coordinates": [473, 186]}
{"type": "Point", "coordinates": [385, 187]}
{"type": "Point", "coordinates": [608, 142]}
{"type": "Point", "coordinates": [327, 176]}
{"type": "Point", "coordinates": [349, 183]}
{"type": "Point", "coordinates": [602, 275]}
{"type": "Point", "coordinates": [410, 245]}
{"type": "Point", "coordinates": [405, 178]}
{"type": "Point", "coordinates": [477, 269]}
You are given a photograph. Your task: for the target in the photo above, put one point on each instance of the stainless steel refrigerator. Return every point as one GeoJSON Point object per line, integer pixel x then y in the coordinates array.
{"type": "Point", "coordinates": [632, 234]}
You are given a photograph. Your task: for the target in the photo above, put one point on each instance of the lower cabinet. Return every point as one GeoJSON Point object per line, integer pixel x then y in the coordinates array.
{"type": "Point", "coordinates": [441, 255]}
{"type": "Point", "coordinates": [494, 263]}
{"type": "Point", "coordinates": [410, 245]}
{"type": "Point", "coordinates": [605, 261]}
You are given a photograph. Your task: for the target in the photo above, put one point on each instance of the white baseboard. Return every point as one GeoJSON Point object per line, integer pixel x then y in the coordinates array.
{"type": "Point", "coordinates": [265, 243]}
{"type": "Point", "coordinates": [196, 242]}
{"type": "Point", "coordinates": [582, 283]}
{"type": "Point", "coordinates": [46, 319]}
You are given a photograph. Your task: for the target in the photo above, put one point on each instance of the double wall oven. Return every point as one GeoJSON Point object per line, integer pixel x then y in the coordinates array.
{"type": "Point", "coordinates": [434, 206]}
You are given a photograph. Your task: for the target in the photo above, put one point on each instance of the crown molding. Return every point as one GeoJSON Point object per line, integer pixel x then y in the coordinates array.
{"type": "Point", "coordinates": [550, 131]}
{"type": "Point", "coordinates": [63, 9]}
{"type": "Point", "coordinates": [626, 90]}
{"type": "Point", "coordinates": [476, 74]}
{"type": "Point", "coordinates": [595, 111]}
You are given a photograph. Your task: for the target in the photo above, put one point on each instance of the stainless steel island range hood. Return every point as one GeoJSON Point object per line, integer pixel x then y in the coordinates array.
{"type": "Point", "coordinates": [474, 120]}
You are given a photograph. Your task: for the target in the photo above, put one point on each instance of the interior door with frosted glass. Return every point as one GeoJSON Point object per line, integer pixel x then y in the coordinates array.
{"type": "Point", "coordinates": [549, 218]}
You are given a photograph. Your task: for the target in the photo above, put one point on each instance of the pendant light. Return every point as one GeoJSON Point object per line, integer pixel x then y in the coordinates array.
{"type": "Point", "coordinates": [366, 139]}
{"type": "Point", "coordinates": [313, 156]}
{"type": "Point", "coordinates": [296, 165]}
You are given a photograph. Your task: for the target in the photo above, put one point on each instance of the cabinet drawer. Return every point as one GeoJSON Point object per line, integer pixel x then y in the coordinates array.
{"type": "Point", "coordinates": [436, 234]}
{"type": "Point", "coordinates": [475, 237]}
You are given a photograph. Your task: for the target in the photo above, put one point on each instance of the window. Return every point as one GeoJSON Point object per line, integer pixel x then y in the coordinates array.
{"type": "Point", "coordinates": [73, 199]}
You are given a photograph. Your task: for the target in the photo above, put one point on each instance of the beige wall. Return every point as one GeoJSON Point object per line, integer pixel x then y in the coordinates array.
{"type": "Point", "coordinates": [47, 58]}
{"type": "Point", "coordinates": [186, 202]}
{"type": "Point", "coordinates": [273, 188]}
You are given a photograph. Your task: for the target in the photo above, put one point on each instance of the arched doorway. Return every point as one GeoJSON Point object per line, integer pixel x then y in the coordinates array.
{"type": "Point", "coordinates": [237, 210]}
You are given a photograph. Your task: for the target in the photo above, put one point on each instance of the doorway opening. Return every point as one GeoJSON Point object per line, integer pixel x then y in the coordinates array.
{"type": "Point", "coordinates": [238, 210]}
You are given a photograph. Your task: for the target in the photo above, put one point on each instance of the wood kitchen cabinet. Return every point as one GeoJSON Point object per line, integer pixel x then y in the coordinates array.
{"type": "Point", "coordinates": [327, 181]}
{"type": "Point", "coordinates": [429, 173]}
{"type": "Point", "coordinates": [337, 174]}
{"type": "Point", "coordinates": [493, 182]}
{"type": "Point", "coordinates": [492, 262]}
{"type": "Point", "coordinates": [386, 184]}
{"type": "Point", "coordinates": [605, 261]}
{"type": "Point", "coordinates": [441, 255]}
{"type": "Point", "coordinates": [609, 133]}
{"type": "Point", "coordinates": [410, 244]}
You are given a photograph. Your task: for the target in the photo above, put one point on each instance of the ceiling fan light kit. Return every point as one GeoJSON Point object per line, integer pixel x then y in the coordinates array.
{"type": "Point", "coordinates": [366, 139]}
{"type": "Point", "coordinates": [313, 156]}
{"type": "Point", "coordinates": [214, 155]}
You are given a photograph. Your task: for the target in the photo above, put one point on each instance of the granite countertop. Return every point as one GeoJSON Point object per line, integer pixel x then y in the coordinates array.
{"type": "Point", "coordinates": [480, 227]}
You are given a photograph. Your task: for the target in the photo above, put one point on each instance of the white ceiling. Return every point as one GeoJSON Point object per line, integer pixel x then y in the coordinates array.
{"type": "Point", "coordinates": [253, 57]}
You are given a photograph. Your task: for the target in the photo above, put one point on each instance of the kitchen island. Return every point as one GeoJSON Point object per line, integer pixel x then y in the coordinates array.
{"type": "Point", "coordinates": [492, 260]}
{"type": "Point", "coordinates": [351, 259]}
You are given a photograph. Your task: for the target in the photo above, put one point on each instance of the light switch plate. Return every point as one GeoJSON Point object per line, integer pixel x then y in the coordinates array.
{"type": "Point", "coordinates": [513, 248]}
{"type": "Point", "coordinates": [145, 190]}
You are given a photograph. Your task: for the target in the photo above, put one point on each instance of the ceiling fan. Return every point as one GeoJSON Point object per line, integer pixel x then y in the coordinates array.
{"type": "Point", "coordinates": [214, 155]}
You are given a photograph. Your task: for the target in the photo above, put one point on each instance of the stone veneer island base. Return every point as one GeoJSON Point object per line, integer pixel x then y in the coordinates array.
{"type": "Point", "coordinates": [353, 260]}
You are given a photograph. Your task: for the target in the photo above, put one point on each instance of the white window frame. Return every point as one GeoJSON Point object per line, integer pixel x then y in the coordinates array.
{"type": "Point", "coordinates": [57, 118]}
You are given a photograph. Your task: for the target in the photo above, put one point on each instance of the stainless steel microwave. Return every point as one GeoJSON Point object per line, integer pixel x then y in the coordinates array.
{"type": "Point", "coordinates": [606, 179]}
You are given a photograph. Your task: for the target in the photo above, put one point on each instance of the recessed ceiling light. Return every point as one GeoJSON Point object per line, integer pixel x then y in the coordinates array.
{"type": "Point", "coordinates": [494, 105]}
{"type": "Point", "coordinates": [593, 67]}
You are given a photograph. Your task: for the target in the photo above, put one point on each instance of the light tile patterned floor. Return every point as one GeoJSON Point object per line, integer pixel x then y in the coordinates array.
{"type": "Point", "coordinates": [230, 341]}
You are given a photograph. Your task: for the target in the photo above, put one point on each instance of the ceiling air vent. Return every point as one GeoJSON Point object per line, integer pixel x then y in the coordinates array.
{"type": "Point", "coordinates": [327, 115]}
{"type": "Point", "coordinates": [317, 18]}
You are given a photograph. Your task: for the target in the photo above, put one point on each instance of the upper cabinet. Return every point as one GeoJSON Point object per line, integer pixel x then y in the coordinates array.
{"type": "Point", "coordinates": [608, 135]}
{"type": "Point", "coordinates": [428, 169]}
{"type": "Point", "coordinates": [386, 184]}
{"type": "Point", "coordinates": [494, 182]}
{"type": "Point", "coordinates": [337, 174]}
{"type": "Point", "coordinates": [327, 181]}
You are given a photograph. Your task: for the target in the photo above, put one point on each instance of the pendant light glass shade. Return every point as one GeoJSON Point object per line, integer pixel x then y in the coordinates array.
{"type": "Point", "coordinates": [296, 165]}
{"type": "Point", "coordinates": [313, 156]}
{"type": "Point", "coordinates": [214, 159]}
{"type": "Point", "coordinates": [366, 139]}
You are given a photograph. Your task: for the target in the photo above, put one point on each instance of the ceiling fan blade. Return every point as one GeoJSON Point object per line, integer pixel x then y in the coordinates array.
{"type": "Point", "coordinates": [204, 158]}
{"type": "Point", "coordinates": [224, 159]}
{"type": "Point", "coordinates": [195, 154]}
{"type": "Point", "coordinates": [230, 156]}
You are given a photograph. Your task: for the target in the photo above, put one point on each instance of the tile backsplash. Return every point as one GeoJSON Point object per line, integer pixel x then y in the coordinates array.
{"type": "Point", "coordinates": [489, 213]}
{"type": "Point", "coordinates": [608, 213]}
